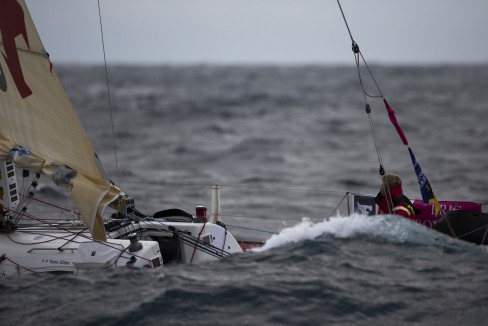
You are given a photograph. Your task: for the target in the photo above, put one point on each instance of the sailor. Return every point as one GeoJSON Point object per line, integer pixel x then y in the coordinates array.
{"type": "Point", "coordinates": [391, 199]}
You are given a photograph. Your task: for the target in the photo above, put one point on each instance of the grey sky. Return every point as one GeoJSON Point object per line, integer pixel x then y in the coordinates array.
{"type": "Point", "coordinates": [263, 31]}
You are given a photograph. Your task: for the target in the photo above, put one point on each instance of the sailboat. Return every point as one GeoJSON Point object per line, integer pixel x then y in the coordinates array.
{"type": "Point", "coordinates": [40, 134]}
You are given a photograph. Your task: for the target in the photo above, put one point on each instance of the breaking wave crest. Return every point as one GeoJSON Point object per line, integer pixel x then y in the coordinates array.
{"type": "Point", "coordinates": [388, 228]}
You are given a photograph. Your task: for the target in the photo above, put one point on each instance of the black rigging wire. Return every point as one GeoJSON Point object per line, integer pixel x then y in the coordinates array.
{"type": "Point", "coordinates": [108, 92]}
{"type": "Point", "coordinates": [354, 44]}
{"type": "Point", "coordinates": [358, 58]}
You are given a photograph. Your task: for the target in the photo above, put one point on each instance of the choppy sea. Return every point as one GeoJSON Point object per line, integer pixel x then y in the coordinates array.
{"type": "Point", "coordinates": [285, 143]}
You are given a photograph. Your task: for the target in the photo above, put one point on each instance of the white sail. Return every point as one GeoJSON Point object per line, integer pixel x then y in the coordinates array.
{"type": "Point", "coordinates": [37, 118]}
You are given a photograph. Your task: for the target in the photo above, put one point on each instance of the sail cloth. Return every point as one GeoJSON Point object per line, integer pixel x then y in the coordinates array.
{"type": "Point", "coordinates": [36, 115]}
{"type": "Point", "coordinates": [428, 196]}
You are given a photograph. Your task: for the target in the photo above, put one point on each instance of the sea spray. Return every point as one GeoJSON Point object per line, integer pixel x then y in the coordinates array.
{"type": "Point", "coordinates": [390, 228]}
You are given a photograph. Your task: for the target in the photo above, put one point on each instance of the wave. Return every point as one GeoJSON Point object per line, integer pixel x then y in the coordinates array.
{"type": "Point", "coordinates": [389, 228]}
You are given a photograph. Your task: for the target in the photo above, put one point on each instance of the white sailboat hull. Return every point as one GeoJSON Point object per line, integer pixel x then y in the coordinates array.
{"type": "Point", "coordinates": [47, 249]}
{"type": "Point", "coordinates": [184, 242]}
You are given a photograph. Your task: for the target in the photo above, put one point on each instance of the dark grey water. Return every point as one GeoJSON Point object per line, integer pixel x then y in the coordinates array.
{"type": "Point", "coordinates": [283, 143]}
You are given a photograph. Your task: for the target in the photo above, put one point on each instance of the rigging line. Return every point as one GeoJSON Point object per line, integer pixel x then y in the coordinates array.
{"type": "Point", "coordinates": [372, 128]}
{"type": "Point", "coordinates": [345, 21]}
{"type": "Point", "coordinates": [20, 266]}
{"type": "Point", "coordinates": [53, 225]}
{"type": "Point", "coordinates": [372, 76]}
{"type": "Point", "coordinates": [389, 200]}
{"type": "Point", "coordinates": [375, 138]}
{"type": "Point", "coordinates": [365, 93]}
{"type": "Point", "coordinates": [245, 228]}
{"type": "Point", "coordinates": [234, 186]}
{"type": "Point", "coordinates": [192, 240]}
{"type": "Point", "coordinates": [265, 217]}
{"type": "Point", "coordinates": [387, 194]}
{"type": "Point", "coordinates": [337, 207]}
{"type": "Point", "coordinates": [358, 56]}
{"type": "Point", "coordinates": [52, 237]}
{"type": "Point", "coordinates": [358, 53]}
{"type": "Point", "coordinates": [208, 249]}
{"type": "Point", "coordinates": [368, 111]}
{"type": "Point", "coordinates": [55, 206]}
{"type": "Point", "coordinates": [199, 234]}
{"type": "Point", "coordinates": [108, 92]}
{"type": "Point", "coordinates": [72, 239]}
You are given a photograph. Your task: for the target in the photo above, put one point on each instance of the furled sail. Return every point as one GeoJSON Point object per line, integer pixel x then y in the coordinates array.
{"type": "Point", "coordinates": [38, 127]}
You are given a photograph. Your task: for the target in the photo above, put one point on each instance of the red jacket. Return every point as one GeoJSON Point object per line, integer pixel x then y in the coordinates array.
{"type": "Point", "coordinates": [401, 204]}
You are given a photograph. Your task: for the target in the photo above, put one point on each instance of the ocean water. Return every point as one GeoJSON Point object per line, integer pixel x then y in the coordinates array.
{"type": "Point", "coordinates": [285, 143]}
{"type": "Point", "coordinates": [353, 270]}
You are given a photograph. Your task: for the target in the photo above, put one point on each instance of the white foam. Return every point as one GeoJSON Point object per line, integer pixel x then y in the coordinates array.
{"type": "Point", "coordinates": [391, 227]}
